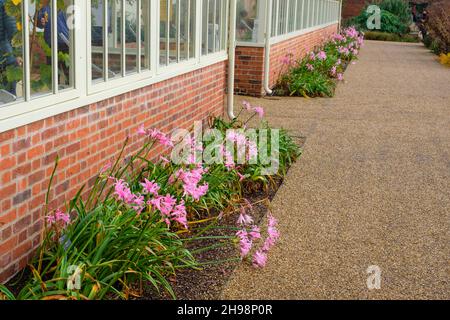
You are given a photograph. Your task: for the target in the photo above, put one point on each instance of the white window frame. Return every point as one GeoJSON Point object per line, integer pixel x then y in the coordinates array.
{"type": "Point", "coordinates": [313, 22]}
{"type": "Point", "coordinates": [84, 92]}
{"type": "Point", "coordinates": [316, 19]}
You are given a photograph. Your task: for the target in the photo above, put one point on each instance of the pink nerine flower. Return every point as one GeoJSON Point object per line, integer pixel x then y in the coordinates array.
{"type": "Point", "coordinates": [150, 187]}
{"type": "Point", "coordinates": [333, 71]}
{"type": "Point", "coordinates": [156, 135]}
{"type": "Point", "coordinates": [123, 192]}
{"type": "Point", "coordinates": [61, 216]}
{"type": "Point", "coordinates": [245, 243]}
{"type": "Point", "coordinates": [340, 76]}
{"type": "Point", "coordinates": [259, 111]}
{"type": "Point", "coordinates": [191, 180]}
{"type": "Point", "coordinates": [57, 217]}
{"type": "Point", "coordinates": [255, 233]}
{"type": "Point", "coordinates": [247, 105]}
{"type": "Point", "coordinates": [312, 56]}
{"type": "Point", "coordinates": [141, 130]}
{"type": "Point", "coordinates": [310, 67]}
{"type": "Point", "coordinates": [179, 214]}
{"type": "Point", "coordinates": [50, 219]}
{"type": "Point", "coordinates": [259, 259]}
{"type": "Point", "coordinates": [321, 55]}
{"type": "Point", "coordinates": [244, 219]}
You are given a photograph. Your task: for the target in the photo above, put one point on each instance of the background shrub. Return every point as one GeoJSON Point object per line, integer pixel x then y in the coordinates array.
{"type": "Point", "coordinates": [399, 8]}
{"type": "Point", "coordinates": [395, 17]}
{"type": "Point", "coordinates": [438, 26]}
{"type": "Point", "coordinates": [384, 36]}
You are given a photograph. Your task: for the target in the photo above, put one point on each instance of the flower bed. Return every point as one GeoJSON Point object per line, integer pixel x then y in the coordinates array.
{"type": "Point", "coordinates": [135, 227]}
{"type": "Point", "coordinates": [316, 74]}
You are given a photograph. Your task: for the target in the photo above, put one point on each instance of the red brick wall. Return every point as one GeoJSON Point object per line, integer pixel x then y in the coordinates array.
{"type": "Point", "coordinates": [352, 8]}
{"type": "Point", "coordinates": [85, 139]}
{"type": "Point", "coordinates": [250, 60]}
{"type": "Point", "coordinates": [249, 71]}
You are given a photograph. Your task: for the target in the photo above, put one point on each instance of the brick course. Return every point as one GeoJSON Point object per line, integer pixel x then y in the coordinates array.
{"type": "Point", "coordinates": [352, 8]}
{"type": "Point", "coordinates": [249, 70]}
{"type": "Point", "coordinates": [85, 139]}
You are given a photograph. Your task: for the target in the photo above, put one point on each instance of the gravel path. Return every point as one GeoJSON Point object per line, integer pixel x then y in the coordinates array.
{"type": "Point", "coordinates": [372, 187]}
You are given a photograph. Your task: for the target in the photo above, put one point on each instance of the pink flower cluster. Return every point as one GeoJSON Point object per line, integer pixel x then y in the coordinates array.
{"type": "Point", "coordinates": [58, 216]}
{"type": "Point", "coordinates": [258, 110]}
{"type": "Point", "coordinates": [156, 135]}
{"type": "Point", "coordinates": [249, 233]}
{"type": "Point", "coordinates": [191, 182]}
{"type": "Point", "coordinates": [170, 210]}
{"type": "Point", "coordinates": [123, 192]}
{"type": "Point", "coordinates": [168, 206]}
{"type": "Point", "coordinates": [321, 55]}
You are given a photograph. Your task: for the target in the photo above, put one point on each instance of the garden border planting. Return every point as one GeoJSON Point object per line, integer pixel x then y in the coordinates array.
{"type": "Point", "coordinates": [316, 74]}
{"type": "Point", "coordinates": [134, 224]}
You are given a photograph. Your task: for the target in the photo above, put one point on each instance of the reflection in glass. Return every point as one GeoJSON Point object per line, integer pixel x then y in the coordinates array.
{"type": "Point", "coordinates": [205, 8]}
{"type": "Point", "coordinates": [163, 32]}
{"type": "Point", "coordinates": [11, 54]}
{"type": "Point", "coordinates": [247, 20]}
{"type": "Point", "coordinates": [192, 28]}
{"type": "Point", "coordinates": [184, 29]}
{"type": "Point", "coordinates": [40, 47]}
{"type": "Point", "coordinates": [145, 36]}
{"type": "Point", "coordinates": [173, 31]}
{"type": "Point", "coordinates": [114, 39]}
{"type": "Point", "coordinates": [97, 8]}
{"type": "Point", "coordinates": [131, 22]}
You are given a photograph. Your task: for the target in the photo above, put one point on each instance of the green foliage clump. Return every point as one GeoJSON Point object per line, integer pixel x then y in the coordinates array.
{"type": "Point", "coordinates": [384, 36]}
{"type": "Point", "coordinates": [315, 75]}
{"type": "Point", "coordinates": [390, 23]}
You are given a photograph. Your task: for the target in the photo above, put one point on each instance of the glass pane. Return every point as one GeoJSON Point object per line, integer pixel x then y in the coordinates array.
{"type": "Point", "coordinates": [211, 26]}
{"type": "Point", "coordinates": [163, 32]}
{"type": "Point", "coordinates": [11, 55]}
{"type": "Point", "coordinates": [184, 29]}
{"type": "Point", "coordinates": [317, 12]}
{"type": "Point", "coordinates": [40, 47]}
{"type": "Point", "coordinates": [307, 14]}
{"type": "Point", "coordinates": [174, 31]}
{"type": "Point", "coordinates": [299, 14]}
{"type": "Point", "coordinates": [223, 25]}
{"type": "Point", "coordinates": [114, 39]}
{"type": "Point", "coordinates": [274, 17]}
{"type": "Point", "coordinates": [246, 24]}
{"type": "Point", "coordinates": [282, 17]}
{"type": "Point", "coordinates": [97, 39]}
{"type": "Point", "coordinates": [66, 28]}
{"type": "Point", "coordinates": [131, 22]}
{"type": "Point", "coordinates": [291, 15]}
{"type": "Point", "coordinates": [192, 29]}
{"type": "Point", "coordinates": [145, 36]}
{"type": "Point", "coordinates": [205, 15]}
{"type": "Point", "coordinates": [218, 26]}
